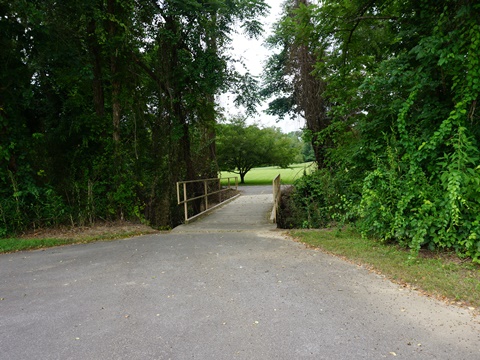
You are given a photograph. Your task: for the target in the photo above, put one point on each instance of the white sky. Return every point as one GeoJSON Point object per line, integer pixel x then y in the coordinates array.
{"type": "Point", "coordinates": [254, 55]}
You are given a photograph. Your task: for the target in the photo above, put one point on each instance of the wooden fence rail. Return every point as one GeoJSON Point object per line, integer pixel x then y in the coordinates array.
{"type": "Point", "coordinates": [216, 183]}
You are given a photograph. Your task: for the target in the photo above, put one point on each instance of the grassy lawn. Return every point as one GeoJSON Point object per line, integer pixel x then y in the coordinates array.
{"type": "Point", "coordinates": [441, 275]}
{"type": "Point", "coordinates": [265, 175]}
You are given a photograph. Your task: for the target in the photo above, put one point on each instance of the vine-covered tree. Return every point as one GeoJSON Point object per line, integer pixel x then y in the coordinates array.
{"type": "Point", "coordinates": [289, 74]}
{"type": "Point", "coordinates": [401, 84]}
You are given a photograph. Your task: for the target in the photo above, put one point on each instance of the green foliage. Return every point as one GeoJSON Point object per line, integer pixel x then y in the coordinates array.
{"type": "Point", "coordinates": [434, 201]}
{"type": "Point", "coordinates": [403, 143]}
{"type": "Point", "coordinates": [104, 105]}
{"type": "Point", "coordinates": [311, 198]}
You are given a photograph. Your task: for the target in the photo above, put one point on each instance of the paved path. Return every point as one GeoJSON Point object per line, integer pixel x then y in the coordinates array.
{"type": "Point", "coordinates": [205, 291]}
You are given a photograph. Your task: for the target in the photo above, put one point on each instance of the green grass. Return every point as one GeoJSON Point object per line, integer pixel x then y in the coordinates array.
{"type": "Point", "coordinates": [13, 244]}
{"type": "Point", "coordinates": [437, 274]}
{"type": "Point", "coordinates": [9, 245]}
{"type": "Point", "coordinates": [265, 175]}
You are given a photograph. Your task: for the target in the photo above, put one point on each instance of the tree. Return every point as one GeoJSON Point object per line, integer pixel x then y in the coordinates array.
{"type": "Point", "coordinates": [289, 74]}
{"type": "Point", "coordinates": [300, 147]}
{"type": "Point", "coordinates": [242, 147]}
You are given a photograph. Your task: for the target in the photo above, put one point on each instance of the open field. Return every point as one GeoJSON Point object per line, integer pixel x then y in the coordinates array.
{"type": "Point", "coordinates": [265, 175]}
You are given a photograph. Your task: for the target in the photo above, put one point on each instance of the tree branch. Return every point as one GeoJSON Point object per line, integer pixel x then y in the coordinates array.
{"type": "Point", "coordinates": [357, 22]}
{"type": "Point", "coordinates": [151, 74]}
{"type": "Point", "coordinates": [360, 18]}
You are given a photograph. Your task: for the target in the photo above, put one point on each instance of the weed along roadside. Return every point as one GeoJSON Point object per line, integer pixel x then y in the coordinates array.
{"type": "Point", "coordinates": [437, 274]}
{"type": "Point", "coordinates": [50, 237]}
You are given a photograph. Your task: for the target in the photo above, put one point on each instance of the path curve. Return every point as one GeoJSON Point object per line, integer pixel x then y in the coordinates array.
{"type": "Point", "coordinates": [206, 291]}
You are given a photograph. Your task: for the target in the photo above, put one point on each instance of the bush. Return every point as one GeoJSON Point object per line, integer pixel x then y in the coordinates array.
{"type": "Point", "coordinates": [310, 202]}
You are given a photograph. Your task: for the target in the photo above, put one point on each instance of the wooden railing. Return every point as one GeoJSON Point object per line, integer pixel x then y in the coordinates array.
{"type": "Point", "coordinates": [277, 192]}
{"type": "Point", "coordinates": [206, 189]}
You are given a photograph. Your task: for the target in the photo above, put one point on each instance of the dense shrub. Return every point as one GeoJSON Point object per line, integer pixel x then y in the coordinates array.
{"type": "Point", "coordinates": [400, 127]}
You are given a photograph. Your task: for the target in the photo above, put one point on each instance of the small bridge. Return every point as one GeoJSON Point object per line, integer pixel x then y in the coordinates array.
{"type": "Point", "coordinates": [255, 209]}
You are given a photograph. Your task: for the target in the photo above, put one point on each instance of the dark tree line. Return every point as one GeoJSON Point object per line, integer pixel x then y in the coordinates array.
{"type": "Point", "coordinates": [104, 104]}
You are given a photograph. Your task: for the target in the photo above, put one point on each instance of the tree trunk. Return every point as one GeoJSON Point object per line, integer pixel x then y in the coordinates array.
{"type": "Point", "coordinates": [211, 135]}
{"type": "Point", "coordinates": [116, 86]}
{"type": "Point", "coordinates": [309, 92]}
{"type": "Point", "coordinates": [95, 50]}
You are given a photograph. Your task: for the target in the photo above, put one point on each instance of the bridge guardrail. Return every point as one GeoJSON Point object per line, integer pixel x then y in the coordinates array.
{"type": "Point", "coordinates": [217, 183]}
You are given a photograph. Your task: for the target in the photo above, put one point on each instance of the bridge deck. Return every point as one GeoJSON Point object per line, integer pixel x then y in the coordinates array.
{"type": "Point", "coordinates": [251, 211]}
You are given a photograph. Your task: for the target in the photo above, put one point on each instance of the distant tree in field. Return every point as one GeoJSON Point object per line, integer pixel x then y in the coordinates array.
{"type": "Point", "coordinates": [305, 150]}
{"type": "Point", "coordinates": [297, 145]}
{"type": "Point", "coordinates": [241, 147]}
{"type": "Point", "coordinates": [308, 154]}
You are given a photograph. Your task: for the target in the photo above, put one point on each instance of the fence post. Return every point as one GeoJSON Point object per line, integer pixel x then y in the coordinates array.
{"type": "Point", "coordinates": [276, 197]}
{"type": "Point", "coordinates": [185, 200]}
{"type": "Point", "coordinates": [205, 187]}
{"type": "Point", "coordinates": [178, 193]}
{"type": "Point", "coordinates": [219, 187]}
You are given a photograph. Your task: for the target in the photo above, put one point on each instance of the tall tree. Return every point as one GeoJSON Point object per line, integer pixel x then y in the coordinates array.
{"type": "Point", "coordinates": [290, 77]}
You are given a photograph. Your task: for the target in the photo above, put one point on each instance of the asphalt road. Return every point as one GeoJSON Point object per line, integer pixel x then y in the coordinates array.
{"type": "Point", "coordinates": [209, 291]}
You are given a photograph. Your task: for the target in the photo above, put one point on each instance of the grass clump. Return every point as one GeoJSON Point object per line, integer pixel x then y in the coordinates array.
{"type": "Point", "coordinates": [439, 274]}
{"type": "Point", "coordinates": [14, 244]}
{"type": "Point", "coordinates": [46, 238]}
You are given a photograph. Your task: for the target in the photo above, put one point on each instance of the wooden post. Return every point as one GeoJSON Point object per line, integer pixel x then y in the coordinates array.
{"type": "Point", "coordinates": [205, 187]}
{"type": "Point", "coordinates": [178, 193]}
{"type": "Point", "coordinates": [185, 200]}
{"type": "Point", "coordinates": [219, 188]}
{"type": "Point", "coordinates": [276, 197]}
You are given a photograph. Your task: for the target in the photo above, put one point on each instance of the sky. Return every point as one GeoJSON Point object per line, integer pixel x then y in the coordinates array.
{"type": "Point", "coordinates": [254, 55]}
